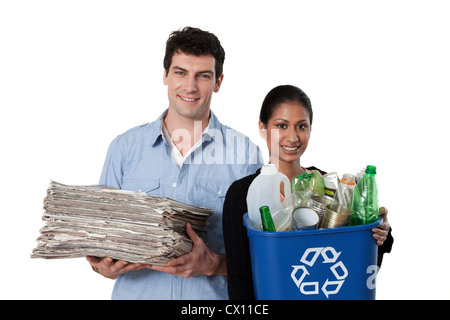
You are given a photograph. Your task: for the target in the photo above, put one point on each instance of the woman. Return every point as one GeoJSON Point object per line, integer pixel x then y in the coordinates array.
{"type": "Point", "coordinates": [285, 123]}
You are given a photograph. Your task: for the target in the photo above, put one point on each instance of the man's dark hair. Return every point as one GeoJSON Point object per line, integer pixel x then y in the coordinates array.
{"type": "Point", "coordinates": [196, 42]}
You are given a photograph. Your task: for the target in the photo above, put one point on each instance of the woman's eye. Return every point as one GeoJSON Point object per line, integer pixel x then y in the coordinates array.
{"type": "Point", "coordinates": [282, 126]}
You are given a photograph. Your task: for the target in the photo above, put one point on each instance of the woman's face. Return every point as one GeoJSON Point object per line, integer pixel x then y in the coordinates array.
{"type": "Point", "coordinates": [287, 133]}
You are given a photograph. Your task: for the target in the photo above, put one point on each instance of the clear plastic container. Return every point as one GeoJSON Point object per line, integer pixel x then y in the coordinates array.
{"type": "Point", "coordinates": [345, 189]}
{"type": "Point", "coordinates": [265, 191]}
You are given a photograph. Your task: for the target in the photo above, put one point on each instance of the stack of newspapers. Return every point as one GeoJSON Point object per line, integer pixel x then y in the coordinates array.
{"type": "Point", "coordinates": [106, 222]}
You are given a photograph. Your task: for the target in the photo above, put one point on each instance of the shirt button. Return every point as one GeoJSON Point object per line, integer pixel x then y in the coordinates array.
{"type": "Point", "coordinates": [139, 190]}
{"type": "Point", "coordinates": [174, 184]}
{"type": "Point", "coordinates": [219, 192]}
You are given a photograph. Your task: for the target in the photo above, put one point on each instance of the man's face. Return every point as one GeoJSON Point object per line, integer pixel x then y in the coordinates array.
{"type": "Point", "coordinates": [191, 81]}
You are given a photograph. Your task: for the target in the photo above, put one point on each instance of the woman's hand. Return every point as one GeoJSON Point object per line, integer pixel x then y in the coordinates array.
{"type": "Point", "coordinates": [382, 231]}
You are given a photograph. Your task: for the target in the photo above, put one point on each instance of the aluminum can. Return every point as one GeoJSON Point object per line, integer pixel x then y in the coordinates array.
{"type": "Point", "coordinates": [304, 218]}
{"type": "Point", "coordinates": [318, 202]}
{"type": "Point", "coordinates": [336, 215]}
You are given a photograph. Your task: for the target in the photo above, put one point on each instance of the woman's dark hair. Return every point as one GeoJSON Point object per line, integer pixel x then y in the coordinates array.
{"type": "Point", "coordinates": [196, 42]}
{"type": "Point", "coordinates": [284, 94]}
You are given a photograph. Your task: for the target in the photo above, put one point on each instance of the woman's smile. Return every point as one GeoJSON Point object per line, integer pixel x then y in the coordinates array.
{"type": "Point", "coordinates": [291, 149]}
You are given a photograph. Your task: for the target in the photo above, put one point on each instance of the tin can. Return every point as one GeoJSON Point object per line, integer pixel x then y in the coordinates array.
{"type": "Point", "coordinates": [318, 202]}
{"type": "Point", "coordinates": [304, 218]}
{"type": "Point", "coordinates": [336, 215]}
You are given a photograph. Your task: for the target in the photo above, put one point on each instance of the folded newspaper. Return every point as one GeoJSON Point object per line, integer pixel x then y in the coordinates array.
{"type": "Point", "coordinates": [106, 222]}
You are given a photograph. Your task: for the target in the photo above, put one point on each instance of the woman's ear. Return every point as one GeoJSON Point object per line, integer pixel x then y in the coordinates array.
{"type": "Point", "coordinates": [262, 130]}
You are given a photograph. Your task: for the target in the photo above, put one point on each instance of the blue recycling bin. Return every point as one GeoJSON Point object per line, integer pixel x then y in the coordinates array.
{"type": "Point", "coordinates": [319, 264]}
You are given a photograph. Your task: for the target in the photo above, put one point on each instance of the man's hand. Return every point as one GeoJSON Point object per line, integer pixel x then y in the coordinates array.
{"type": "Point", "coordinates": [201, 260]}
{"type": "Point", "coordinates": [111, 268]}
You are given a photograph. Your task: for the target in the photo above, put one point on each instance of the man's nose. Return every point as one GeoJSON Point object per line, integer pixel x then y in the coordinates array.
{"type": "Point", "coordinates": [190, 84]}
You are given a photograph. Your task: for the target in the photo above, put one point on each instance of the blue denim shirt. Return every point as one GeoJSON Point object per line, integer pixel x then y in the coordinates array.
{"type": "Point", "coordinates": [140, 160]}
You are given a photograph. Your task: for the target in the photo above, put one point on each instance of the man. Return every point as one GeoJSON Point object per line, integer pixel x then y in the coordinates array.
{"type": "Point", "coordinates": [186, 155]}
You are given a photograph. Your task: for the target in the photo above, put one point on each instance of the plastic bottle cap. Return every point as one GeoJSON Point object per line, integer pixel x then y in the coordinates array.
{"type": "Point", "coordinates": [348, 179]}
{"type": "Point", "coordinates": [268, 169]}
{"type": "Point", "coordinates": [371, 169]}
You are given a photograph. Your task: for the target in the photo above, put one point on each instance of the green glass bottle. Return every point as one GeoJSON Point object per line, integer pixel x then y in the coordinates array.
{"type": "Point", "coordinates": [266, 218]}
{"type": "Point", "coordinates": [364, 201]}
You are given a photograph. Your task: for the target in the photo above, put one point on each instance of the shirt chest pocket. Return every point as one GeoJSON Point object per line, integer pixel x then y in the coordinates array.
{"type": "Point", "coordinates": [211, 193]}
{"type": "Point", "coordinates": [149, 186]}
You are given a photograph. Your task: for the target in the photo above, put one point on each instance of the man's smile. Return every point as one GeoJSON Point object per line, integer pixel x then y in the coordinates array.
{"type": "Point", "coordinates": [188, 99]}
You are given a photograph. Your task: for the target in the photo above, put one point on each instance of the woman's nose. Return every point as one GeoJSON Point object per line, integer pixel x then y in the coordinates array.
{"type": "Point", "coordinates": [292, 135]}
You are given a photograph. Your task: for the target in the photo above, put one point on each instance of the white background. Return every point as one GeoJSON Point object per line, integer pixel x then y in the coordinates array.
{"type": "Point", "coordinates": [75, 74]}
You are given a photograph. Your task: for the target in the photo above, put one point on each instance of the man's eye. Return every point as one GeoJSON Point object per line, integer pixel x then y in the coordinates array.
{"type": "Point", "coordinates": [179, 73]}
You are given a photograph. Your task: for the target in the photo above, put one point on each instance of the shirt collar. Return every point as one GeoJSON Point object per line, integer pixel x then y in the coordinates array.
{"type": "Point", "coordinates": [157, 133]}
{"type": "Point", "coordinates": [213, 124]}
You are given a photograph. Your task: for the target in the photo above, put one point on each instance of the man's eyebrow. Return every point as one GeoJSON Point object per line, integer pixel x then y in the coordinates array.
{"type": "Point", "coordinates": [206, 71]}
{"type": "Point", "coordinates": [184, 70]}
{"type": "Point", "coordinates": [179, 68]}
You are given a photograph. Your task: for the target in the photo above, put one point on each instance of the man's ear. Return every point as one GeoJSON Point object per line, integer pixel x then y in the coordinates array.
{"type": "Point", "coordinates": [165, 77]}
{"type": "Point", "coordinates": [218, 83]}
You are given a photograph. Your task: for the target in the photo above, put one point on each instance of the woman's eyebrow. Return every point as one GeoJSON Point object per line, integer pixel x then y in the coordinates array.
{"type": "Point", "coordinates": [281, 119]}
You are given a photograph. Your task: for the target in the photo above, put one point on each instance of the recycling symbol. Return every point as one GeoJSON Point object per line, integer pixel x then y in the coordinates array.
{"type": "Point", "coordinates": [330, 286]}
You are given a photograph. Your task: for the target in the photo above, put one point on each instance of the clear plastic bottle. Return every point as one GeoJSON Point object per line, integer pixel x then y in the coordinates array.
{"type": "Point", "coordinates": [265, 191]}
{"type": "Point", "coordinates": [345, 189]}
{"type": "Point", "coordinates": [365, 199]}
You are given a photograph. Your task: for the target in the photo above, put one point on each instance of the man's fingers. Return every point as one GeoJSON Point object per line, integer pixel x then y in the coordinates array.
{"type": "Point", "coordinates": [93, 260]}
{"type": "Point", "coordinates": [175, 262]}
{"type": "Point", "coordinates": [110, 268]}
{"type": "Point", "coordinates": [168, 269]}
{"type": "Point", "coordinates": [192, 234]}
{"type": "Point", "coordinates": [119, 264]}
{"type": "Point", "coordinates": [131, 267]}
